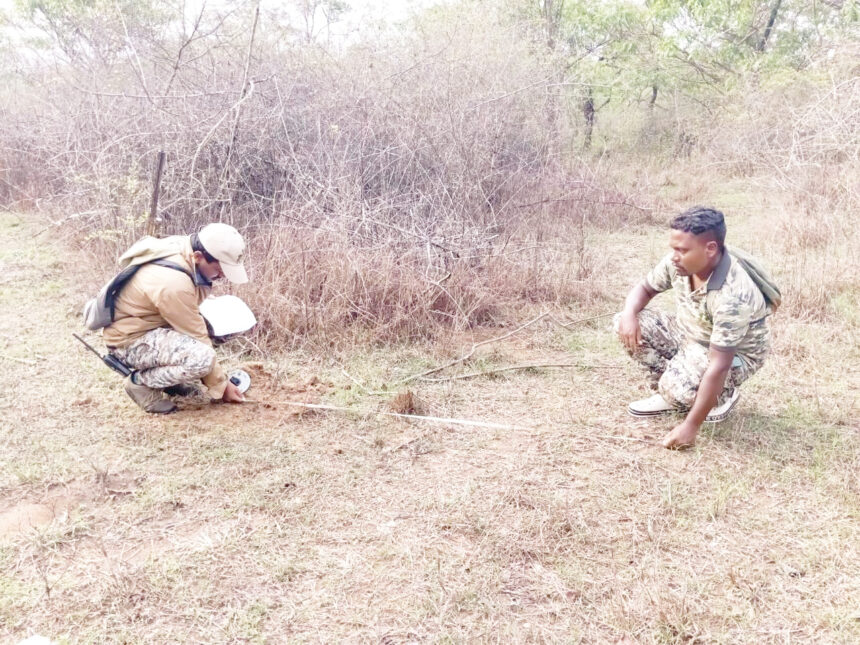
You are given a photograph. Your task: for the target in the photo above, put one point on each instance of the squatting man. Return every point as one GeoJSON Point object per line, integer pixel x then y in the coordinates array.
{"type": "Point", "coordinates": [696, 359]}
{"type": "Point", "coordinates": [158, 330]}
{"type": "Point", "coordinates": [718, 338]}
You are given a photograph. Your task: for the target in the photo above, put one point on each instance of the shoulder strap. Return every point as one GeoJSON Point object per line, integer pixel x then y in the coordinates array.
{"type": "Point", "coordinates": [172, 265]}
{"type": "Point", "coordinates": [116, 285]}
{"type": "Point", "coordinates": [760, 276]}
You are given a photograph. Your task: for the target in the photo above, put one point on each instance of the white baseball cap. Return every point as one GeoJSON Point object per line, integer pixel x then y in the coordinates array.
{"type": "Point", "coordinates": [225, 244]}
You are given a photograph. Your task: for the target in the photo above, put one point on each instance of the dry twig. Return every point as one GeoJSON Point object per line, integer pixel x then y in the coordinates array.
{"type": "Point", "coordinates": [510, 368]}
{"type": "Point", "coordinates": [471, 352]}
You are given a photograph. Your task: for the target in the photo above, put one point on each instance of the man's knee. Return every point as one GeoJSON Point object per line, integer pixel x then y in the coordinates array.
{"type": "Point", "coordinates": [199, 360]}
{"type": "Point", "coordinates": [652, 323]}
{"type": "Point", "coordinates": [678, 388]}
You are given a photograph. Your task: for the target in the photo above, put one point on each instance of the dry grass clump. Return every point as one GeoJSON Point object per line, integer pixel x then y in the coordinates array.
{"type": "Point", "coordinates": [335, 285]}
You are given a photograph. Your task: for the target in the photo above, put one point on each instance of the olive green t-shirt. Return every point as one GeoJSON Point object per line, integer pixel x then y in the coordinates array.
{"type": "Point", "coordinates": [728, 312]}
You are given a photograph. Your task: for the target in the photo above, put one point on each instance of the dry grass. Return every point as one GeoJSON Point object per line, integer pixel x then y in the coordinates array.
{"type": "Point", "coordinates": [326, 288]}
{"type": "Point", "coordinates": [400, 205]}
{"type": "Point", "coordinates": [251, 524]}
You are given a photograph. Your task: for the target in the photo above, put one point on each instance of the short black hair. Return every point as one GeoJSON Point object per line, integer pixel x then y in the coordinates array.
{"type": "Point", "coordinates": [701, 219]}
{"type": "Point", "coordinates": [196, 245]}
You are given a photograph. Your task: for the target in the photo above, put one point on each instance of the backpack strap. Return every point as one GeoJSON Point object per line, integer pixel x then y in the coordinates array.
{"type": "Point", "coordinates": [127, 274]}
{"type": "Point", "coordinates": [759, 275]}
{"type": "Point", "coordinates": [115, 286]}
{"type": "Point", "coordinates": [172, 265]}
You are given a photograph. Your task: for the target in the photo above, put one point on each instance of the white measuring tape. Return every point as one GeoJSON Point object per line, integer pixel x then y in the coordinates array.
{"type": "Point", "coordinates": [420, 417]}
{"type": "Point", "coordinates": [417, 417]}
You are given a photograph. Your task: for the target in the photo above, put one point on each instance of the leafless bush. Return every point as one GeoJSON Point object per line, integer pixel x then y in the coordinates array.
{"type": "Point", "coordinates": [801, 140]}
{"type": "Point", "coordinates": [390, 191]}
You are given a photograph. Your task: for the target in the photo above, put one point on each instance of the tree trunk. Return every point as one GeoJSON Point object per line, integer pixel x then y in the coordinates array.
{"type": "Point", "coordinates": [588, 112]}
{"type": "Point", "coordinates": [551, 13]}
{"type": "Point", "coordinates": [153, 222]}
{"type": "Point", "coordinates": [769, 27]}
{"type": "Point", "coordinates": [551, 10]}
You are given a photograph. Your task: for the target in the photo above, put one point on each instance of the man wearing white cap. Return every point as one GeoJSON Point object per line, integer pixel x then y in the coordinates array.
{"type": "Point", "coordinates": [157, 329]}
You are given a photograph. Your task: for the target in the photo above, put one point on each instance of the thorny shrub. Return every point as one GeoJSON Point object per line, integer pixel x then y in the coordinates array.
{"type": "Point", "coordinates": [393, 190]}
{"type": "Point", "coordinates": [389, 192]}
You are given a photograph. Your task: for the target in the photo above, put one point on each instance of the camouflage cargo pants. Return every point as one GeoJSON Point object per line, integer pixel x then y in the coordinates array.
{"type": "Point", "coordinates": [676, 365]}
{"type": "Point", "coordinates": [164, 357]}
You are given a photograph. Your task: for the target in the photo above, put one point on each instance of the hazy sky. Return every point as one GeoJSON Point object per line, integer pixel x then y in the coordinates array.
{"type": "Point", "coordinates": [387, 10]}
{"type": "Point", "coordinates": [362, 14]}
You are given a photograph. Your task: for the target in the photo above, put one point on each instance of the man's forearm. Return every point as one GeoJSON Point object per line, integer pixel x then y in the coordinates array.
{"type": "Point", "coordinates": [712, 384]}
{"type": "Point", "coordinates": [216, 380]}
{"type": "Point", "coordinates": [636, 300]}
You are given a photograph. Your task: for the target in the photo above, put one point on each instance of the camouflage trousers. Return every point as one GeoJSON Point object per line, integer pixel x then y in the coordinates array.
{"type": "Point", "coordinates": [164, 357]}
{"type": "Point", "coordinates": [676, 365]}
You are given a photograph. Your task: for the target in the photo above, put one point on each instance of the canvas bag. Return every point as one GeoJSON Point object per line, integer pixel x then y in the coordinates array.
{"type": "Point", "coordinates": [761, 278]}
{"type": "Point", "coordinates": [99, 311]}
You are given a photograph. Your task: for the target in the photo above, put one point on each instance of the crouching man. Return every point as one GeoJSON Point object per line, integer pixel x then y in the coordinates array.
{"type": "Point", "coordinates": [157, 329]}
{"type": "Point", "coordinates": [718, 337]}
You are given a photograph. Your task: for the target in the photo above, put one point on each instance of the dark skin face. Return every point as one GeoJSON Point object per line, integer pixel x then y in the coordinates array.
{"type": "Point", "coordinates": [210, 270]}
{"type": "Point", "coordinates": [694, 254]}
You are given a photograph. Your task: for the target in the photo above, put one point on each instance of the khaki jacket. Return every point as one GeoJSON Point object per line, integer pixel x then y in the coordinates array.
{"type": "Point", "coordinates": [163, 297]}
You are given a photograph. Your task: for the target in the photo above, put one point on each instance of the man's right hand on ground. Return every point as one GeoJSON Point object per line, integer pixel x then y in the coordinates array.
{"type": "Point", "coordinates": [232, 394]}
{"type": "Point", "coordinates": [629, 331]}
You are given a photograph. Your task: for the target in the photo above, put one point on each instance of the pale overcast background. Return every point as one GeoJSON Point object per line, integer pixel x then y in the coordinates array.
{"type": "Point", "coordinates": [360, 13]}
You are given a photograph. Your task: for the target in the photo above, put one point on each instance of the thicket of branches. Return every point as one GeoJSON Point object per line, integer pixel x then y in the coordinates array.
{"type": "Point", "coordinates": [392, 186]}
{"type": "Point", "coordinates": [801, 141]}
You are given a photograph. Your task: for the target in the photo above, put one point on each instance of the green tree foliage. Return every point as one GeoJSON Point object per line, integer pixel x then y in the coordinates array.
{"type": "Point", "coordinates": [724, 38]}
{"type": "Point", "coordinates": [94, 31]}
{"type": "Point", "coordinates": [625, 52]}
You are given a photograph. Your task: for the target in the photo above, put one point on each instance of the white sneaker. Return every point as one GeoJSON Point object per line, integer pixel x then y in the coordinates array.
{"type": "Point", "coordinates": [650, 407]}
{"type": "Point", "coordinates": [721, 412]}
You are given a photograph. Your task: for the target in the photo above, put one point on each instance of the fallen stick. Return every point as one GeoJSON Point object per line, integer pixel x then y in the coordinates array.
{"type": "Point", "coordinates": [581, 320]}
{"type": "Point", "coordinates": [510, 368]}
{"type": "Point", "coordinates": [471, 352]}
{"type": "Point", "coordinates": [475, 346]}
{"type": "Point", "coordinates": [618, 437]}
{"type": "Point", "coordinates": [25, 361]}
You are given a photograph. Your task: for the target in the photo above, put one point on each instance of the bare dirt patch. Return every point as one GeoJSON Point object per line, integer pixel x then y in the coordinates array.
{"type": "Point", "coordinates": [268, 400]}
{"type": "Point", "coordinates": [26, 515]}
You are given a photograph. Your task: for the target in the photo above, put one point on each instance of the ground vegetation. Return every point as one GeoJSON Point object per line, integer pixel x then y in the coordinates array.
{"type": "Point", "coordinates": [441, 214]}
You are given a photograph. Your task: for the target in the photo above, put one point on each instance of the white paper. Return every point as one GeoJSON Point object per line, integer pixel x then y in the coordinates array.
{"type": "Point", "coordinates": [227, 315]}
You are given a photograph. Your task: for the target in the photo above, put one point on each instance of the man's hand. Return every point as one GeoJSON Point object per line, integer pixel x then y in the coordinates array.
{"type": "Point", "coordinates": [713, 381]}
{"type": "Point", "coordinates": [629, 331]}
{"type": "Point", "coordinates": [232, 394]}
{"type": "Point", "coordinates": [628, 325]}
{"type": "Point", "coordinates": [683, 435]}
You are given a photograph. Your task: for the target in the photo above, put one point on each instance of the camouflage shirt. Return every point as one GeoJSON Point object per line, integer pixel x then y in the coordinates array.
{"type": "Point", "coordinates": [727, 312]}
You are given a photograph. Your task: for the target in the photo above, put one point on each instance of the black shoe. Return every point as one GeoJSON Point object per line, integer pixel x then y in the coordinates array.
{"type": "Point", "coordinates": [150, 399]}
{"type": "Point", "coordinates": [180, 389]}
